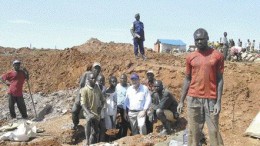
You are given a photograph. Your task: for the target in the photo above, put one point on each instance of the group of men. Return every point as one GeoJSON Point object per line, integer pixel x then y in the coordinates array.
{"type": "Point", "coordinates": [135, 106]}
{"type": "Point", "coordinates": [139, 103]}
{"type": "Point", "coordinates": [233, 51]}
{"type": "Point", "coordinates": [142, 103]}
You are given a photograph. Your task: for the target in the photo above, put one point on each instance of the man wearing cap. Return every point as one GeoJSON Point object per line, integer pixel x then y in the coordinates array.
{"type": "Point", "coordinates": [149, 82]}
{"type": "Point", "coordinates": [15, 80]}
{"type": "Point", "coordinates": [163, 107]}
{"type": "Point", "coordinates": [137, 102]}
{"type": "Point", "coordinates": [96, 69]}
{"type": "Point", "coordinates": [137, 31]}
{"type": "Point", "coordinates": [203, 86]}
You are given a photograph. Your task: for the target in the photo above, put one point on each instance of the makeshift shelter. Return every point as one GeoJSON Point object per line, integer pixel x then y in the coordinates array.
{"type": "Point", "coordinates": [169, 46]}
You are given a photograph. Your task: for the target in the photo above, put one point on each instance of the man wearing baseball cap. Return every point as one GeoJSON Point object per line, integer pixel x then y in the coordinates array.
{"type": "Point", "coordinates": [149, 82]}
{"type": "Point", "coordinates": [96, 69]}
{"type": "Point", "coordinates": [137, 102]}
{"type": "Point", "coordinates": [14, 80]}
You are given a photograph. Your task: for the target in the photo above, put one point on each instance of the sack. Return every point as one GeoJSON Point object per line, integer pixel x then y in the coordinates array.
{"type": "Point", "coordinates": [254, 127]}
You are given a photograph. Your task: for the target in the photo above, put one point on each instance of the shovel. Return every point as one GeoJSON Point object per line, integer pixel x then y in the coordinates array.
{"type": "Point", "coordinates": [112, 132]}
{"type": "Point", "coordinates": [32, 99]}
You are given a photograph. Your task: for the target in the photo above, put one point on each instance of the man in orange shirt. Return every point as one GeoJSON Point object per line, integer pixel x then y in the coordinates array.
{"type": "Point", "coordinates": [203, 86]}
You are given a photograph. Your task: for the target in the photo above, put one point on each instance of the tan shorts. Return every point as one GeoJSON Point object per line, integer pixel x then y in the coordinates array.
{"type": "Point", "coordinates": [169, 115]}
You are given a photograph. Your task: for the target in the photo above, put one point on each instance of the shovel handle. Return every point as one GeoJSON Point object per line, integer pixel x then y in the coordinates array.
{"type": "Point", "coordinates": [31, 98]}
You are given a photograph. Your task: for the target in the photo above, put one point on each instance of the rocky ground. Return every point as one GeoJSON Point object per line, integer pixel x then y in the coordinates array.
{"type": "Point", "coordinates": [55, 76]}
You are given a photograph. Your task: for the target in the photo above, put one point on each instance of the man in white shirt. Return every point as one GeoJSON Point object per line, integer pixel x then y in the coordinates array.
{"type": "Point", "coordinates": [138, 100]}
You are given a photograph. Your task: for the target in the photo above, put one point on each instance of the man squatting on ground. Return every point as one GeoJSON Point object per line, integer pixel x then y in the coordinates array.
{"type": "Point", "coordinates": [92, 102]}
{"type": "Point", "coordinates": [149, 82]}
{"type": "Point", "coordinates": [136, 104]}
{"type": "Point", "coordinates": [14, 80]}
{"type": "Point", "coordinates": [137, 31]}
{"type": "Point", "coordinates": [163, 107]}
{"type": "Point", "coordinates": [203, 86]}
{"type": "Point", "coordinates": [96, 68]}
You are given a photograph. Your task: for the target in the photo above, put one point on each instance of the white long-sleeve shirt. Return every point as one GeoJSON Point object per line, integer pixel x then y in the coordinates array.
{"type": "Point", "coordinates": [139, 99]}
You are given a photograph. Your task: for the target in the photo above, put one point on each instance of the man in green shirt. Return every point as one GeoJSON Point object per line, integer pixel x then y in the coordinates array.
{"type": "Point", "coordinates": [92, 102]}
{"type": "Point", "coordinates": [76, 108]}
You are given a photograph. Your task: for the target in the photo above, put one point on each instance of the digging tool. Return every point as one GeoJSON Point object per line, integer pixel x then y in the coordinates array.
{"type": "Point", "coordinates": [32, 99]}
{"type": "Point", "coordinates": [112, 132]}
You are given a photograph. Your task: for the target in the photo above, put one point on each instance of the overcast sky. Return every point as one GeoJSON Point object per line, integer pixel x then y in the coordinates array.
{"type": "Point", "coordinates": [67, 23]}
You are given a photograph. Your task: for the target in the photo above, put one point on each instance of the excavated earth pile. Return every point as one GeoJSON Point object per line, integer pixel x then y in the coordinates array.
{"type": "Point", "coordinates": [54, 77]}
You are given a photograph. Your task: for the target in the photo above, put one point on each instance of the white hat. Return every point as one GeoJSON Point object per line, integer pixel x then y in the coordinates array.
{"type": "Point", "coordinates": [150, 71]}
{"type": "Point", "coordinates": [96, 64]}
{"type": "Point", "coordinates": [16, 61]}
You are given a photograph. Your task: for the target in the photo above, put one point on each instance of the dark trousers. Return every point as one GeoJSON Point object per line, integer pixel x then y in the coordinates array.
{"type": "Point", "coordinates": [92, 131]}
{"type": "Point", "coordinates": [76, 110]}
{"type": "Point", "coordinates": [102, 134]}
{"type": "Point", "coordinates": [149, 125]}
{"type": "Point", "coordinates": [138, 43]}
{"type": "Point", "coordinates": [20, 104]}
{"type": "Point", "coordinates": [123, 125]}
{"type": "Point", "coordinates": [225, 52]}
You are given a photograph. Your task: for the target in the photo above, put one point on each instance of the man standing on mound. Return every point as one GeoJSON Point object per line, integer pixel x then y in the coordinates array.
{"type": "Point", "coordinates": [137, 32]}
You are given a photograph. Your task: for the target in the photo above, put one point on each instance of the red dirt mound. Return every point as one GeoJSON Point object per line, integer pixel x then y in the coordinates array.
{"type": "Point", "coordinates": [53, 70]}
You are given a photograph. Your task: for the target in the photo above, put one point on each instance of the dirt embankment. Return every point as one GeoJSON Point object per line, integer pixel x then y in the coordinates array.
{"type": "Point", "coordinates": [53, 70]}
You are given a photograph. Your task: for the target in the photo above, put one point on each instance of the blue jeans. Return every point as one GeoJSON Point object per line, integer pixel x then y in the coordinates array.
{"type": "Point", "coordinates": [138, 43]}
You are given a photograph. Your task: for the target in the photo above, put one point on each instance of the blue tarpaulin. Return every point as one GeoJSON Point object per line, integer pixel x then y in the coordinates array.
{"type": "Point", "coordinates": [172, 42]}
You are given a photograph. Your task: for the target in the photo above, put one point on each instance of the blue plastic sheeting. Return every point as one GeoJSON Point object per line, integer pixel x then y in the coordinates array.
{"type": "Point", "coordinates": [172, 42]}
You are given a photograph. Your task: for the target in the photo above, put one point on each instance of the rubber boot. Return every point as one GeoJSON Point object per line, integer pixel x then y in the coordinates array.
{"type": "Point", "coordinates": [144, 57]}
{"type": "Point", "coordinates": [166, 128]}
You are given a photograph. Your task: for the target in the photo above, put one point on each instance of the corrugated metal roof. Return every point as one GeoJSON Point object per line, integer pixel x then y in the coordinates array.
{"type": "Point", "coordinates": [172, 42]}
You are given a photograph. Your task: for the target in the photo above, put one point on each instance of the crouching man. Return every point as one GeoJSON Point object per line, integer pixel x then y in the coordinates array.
{"type": "Point", "coordinates": [92, 102]}
{"type": "Point", "coordinates": [163, 107]}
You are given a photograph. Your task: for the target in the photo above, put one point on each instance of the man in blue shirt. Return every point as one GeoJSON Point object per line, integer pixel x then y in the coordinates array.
{"type": "Point", "coordinates": [138, 100]}
{"type": "Point", "coordinates": [121, 89]}
{"type": "Point", "coordinates": [137, 32]}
